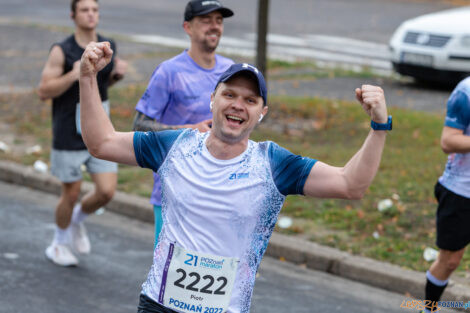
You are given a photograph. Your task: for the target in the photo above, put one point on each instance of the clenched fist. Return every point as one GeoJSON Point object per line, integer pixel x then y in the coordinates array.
{"type": "Point", "coordinates": [372, 100]}
{"type": "Point", "coordinates": [96, 56]}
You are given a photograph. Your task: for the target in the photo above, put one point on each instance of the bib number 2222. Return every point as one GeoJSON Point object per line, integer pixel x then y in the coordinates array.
{"type": "Point", "coordinates": [197, 282]}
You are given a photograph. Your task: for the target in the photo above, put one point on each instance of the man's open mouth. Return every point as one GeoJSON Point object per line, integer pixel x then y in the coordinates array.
{"type": "Point", "coordinates": [233, 118]}
{"type": "Point", "coordinates": [214, 35]}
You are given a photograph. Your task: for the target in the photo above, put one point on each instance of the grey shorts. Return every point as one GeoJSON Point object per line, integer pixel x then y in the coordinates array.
{"type": "Point", "coordinates": [66, 164]}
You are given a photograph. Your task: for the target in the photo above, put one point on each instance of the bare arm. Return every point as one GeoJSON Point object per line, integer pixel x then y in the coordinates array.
{"type": "Point", "coordinates": [53, 80]}
{"type": "Point", "coordinates": [453, 140]}
{"type": "Point", "coordinates": [143, 122]}
{"type": "Point", "coordinates": [352, 180]}
{"type": "Point", "coordinates": [98, 133]}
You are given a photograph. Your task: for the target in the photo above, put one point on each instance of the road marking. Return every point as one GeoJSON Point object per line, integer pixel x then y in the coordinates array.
{"type": "Point", "coordinates": [326, 50]}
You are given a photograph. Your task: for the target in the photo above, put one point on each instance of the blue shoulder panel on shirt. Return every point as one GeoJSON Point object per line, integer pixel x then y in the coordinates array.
{"type": "Point", "coordinates": [458, 110]}
{"type": "Point", "coordinates": [289, 171]}
{"type": "Point", "coordinates": [151, 148]}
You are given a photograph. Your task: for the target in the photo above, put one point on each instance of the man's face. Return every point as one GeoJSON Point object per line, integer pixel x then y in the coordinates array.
{"type": "Point", "coordinates": [206, 30]}
{"type": "Point", "coordinates": [86, 14]}
{"type": "Point", "coordinates": [236, 109]}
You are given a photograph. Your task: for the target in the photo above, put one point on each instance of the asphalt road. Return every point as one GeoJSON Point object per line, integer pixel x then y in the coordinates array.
{"type": "Point", "coordinates": [109, 279]}
{"type": "Point", "coordinates": [25, 41]}
{"type": "Point", "coordinates": [21, 63]}
{"type": "Point", "coordinates": [370, 20]}
{"type": "Point", "coordinates": [350, 33]}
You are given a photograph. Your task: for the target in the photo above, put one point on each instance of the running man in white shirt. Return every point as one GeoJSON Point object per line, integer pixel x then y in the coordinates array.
{"type": "Point", "coordinates": [221, 192]}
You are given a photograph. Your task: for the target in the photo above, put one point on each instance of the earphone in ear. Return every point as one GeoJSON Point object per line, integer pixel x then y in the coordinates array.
{"type": "Point", "coordinates": [211, 104]}
{"type": "Point", "coordinates": [260, 118]}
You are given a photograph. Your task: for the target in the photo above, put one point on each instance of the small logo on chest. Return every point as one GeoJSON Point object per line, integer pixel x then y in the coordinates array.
{"type": "Point", "coordinates": [234, 176]}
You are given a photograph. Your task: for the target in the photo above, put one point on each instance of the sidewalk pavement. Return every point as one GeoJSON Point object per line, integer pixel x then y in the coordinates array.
{"type": "Point", "coordinates": [290, 248]}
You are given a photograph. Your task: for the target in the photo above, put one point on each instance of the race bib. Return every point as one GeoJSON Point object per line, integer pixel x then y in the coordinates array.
{"type": "Point", "coordinates": [197, 282]}
{"type": "Point", "coordinates": [77, 115]}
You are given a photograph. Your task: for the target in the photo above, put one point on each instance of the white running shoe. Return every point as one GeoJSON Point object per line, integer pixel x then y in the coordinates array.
{"type": "Point", "coordinates": [61, 255]}
{"type": "Point", "coordinates": [79, 238]}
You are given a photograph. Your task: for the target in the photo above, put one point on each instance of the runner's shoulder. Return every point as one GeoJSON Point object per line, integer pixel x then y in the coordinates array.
{"type": "Point", "coordinates": [223, 61]}
{"type": "Point", "coordinates": [65, 45]}
{"type": "Point", "coordinates": [172, 65]}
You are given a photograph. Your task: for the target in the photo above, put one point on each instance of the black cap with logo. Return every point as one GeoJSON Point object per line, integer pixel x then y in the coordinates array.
{"type": "Point", "coordinates": [202, 7]}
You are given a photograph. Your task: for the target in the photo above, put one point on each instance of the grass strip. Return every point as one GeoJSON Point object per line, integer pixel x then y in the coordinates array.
{"type": "Point", "coordinates": [327, 130]}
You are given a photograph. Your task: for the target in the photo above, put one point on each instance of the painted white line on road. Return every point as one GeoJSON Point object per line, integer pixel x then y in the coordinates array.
{"type": "Point", "coordinates": [330, 57]}
{"type": "Point", "coordinates": [349, 46]}
{"type": "Point", "coordinates": [236, 42]}
{"type": "Point", "coordinates": [329, 49]}
{"type": "Point", "coordinates": [329, 43]}
{"type": "Point", "coordinates": [284, 40]}
{"type": "Point", "coordinates": [339, 41]}
{"type": "Point", "coordinates": [161, 40]}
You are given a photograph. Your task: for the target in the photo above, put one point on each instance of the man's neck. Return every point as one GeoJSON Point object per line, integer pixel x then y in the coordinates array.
{"type": "Point", "coordinates": [203, 59]}
{"type": "Point", "coordinates": [83, 37]}
{"type": "Point", "coordinates": [225, 151]}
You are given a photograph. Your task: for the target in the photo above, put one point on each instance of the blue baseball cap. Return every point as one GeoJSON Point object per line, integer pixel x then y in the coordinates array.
{"type": "Point", "coordinates": [237, 68]}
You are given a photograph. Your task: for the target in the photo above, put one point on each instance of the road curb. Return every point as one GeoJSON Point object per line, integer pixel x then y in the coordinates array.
{"type": "Point", "coordinates": [292, 249]}
{"type": "Point", "coordinates": [371, 272]}
{"type": "Point", "coordinates": [122, 203]}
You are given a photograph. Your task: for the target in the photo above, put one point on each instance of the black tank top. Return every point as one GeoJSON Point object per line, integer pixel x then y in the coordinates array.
{"type": "Point", "coordinates": [64, 130]}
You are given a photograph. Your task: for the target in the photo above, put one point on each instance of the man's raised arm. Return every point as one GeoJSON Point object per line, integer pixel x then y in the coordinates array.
{"type": "Point", "coordinates": [352, 180]}
{"type": "Point", "coordinates": [98, 133]}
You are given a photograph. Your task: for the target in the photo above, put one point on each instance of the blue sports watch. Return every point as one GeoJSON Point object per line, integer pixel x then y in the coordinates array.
{"type": "Point", "coordinates": [382, 126]}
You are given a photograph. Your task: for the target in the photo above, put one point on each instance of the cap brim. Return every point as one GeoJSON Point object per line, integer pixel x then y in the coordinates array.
{"type": "Point", "coordinates": [227, 78]}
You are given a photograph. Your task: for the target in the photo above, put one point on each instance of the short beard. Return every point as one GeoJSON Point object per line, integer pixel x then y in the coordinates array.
{"type": "Point", "coordinates": [207, 48]}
